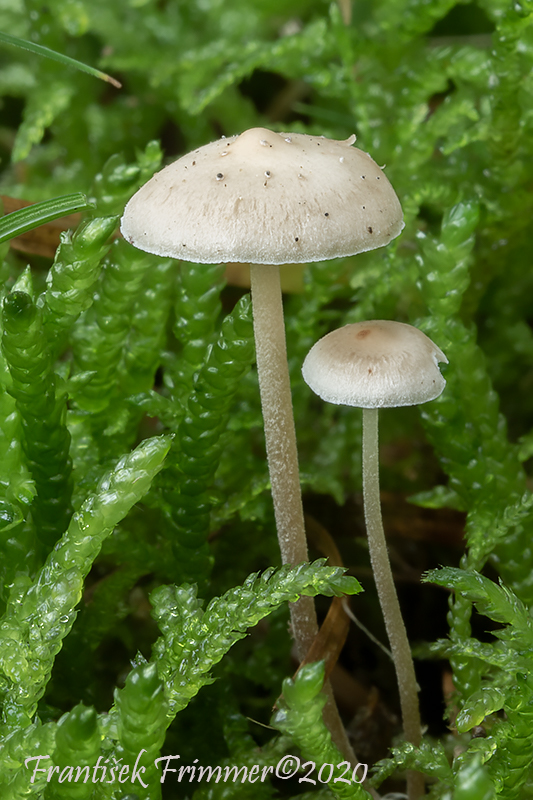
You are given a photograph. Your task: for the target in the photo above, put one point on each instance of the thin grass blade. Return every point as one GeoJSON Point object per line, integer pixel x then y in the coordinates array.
{"type": "Point", "coordinates": [25, 219]}
{"type": "Point", "coordinates": [41, 50]}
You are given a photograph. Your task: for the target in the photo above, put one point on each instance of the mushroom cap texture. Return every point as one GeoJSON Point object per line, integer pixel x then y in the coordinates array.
{"type": "Point", "coordinates": [375, 364]}
{"type": "Point", "coordinates": [265, 198]}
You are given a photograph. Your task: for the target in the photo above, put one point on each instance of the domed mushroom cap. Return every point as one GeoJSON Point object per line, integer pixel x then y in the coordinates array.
{"type": "Point", "coordinates": [376, 364]}
{"type": "Point", "coordinates": [265, 198]}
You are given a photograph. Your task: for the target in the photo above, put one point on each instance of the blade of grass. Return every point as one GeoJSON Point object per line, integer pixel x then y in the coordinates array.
{"type": "Point", "coordinates": [41, 50]}
{"type": "Point", "coordinates": [25, 219]}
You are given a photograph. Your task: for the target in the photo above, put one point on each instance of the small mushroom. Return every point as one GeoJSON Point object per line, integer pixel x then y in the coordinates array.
{"type": "Point", "coordinates": [276, 198]}
{"type": "Point", "coordinates": [375, 364]}
{"type": "Point", "coordinates": [372, 365]}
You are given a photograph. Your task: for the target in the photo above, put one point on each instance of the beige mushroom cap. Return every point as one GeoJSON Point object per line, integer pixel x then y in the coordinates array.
{"type": "Point", "coordinates": [376, 364]}
{"type": "Point", "coordinates": [265, 198]}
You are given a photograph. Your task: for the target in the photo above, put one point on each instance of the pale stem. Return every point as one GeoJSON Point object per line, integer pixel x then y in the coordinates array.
{"type": "Point", "coordinates": [388, 598]}
{"type": "Point", "coordinates": [282, 457]}
{"type": "Point", "coordinates": [276, 404]}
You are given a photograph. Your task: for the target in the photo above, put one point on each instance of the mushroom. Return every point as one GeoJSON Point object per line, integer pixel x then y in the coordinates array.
{"type": "Point", "coordinates": [372, 365]}
{"type": "Point", "coordinates": [267, 199]}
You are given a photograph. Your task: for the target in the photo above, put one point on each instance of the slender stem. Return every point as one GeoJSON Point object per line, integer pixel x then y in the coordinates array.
{"type": "Point", "coordinates": [282, 457]}
{"type": "Point", "coordinates": [394, 624]}
{"type": "Point", "coordinates": [276, 403]}
{"type": "Point", "coordinates": [280, 436]}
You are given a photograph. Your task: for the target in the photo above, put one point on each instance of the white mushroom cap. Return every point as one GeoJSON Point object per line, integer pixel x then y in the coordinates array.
{"type": "Point", "coordinates": [376, 364]}
{"type": "Point", "coordinates": [265, 198]}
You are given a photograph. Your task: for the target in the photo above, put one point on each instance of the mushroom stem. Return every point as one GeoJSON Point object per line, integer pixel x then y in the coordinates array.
{"type": "Point", "coordinates": [278, 419]}
{"type": "Point", "coordinates": [282, 457]}
{"type": "Point", "coordinates": [388, 598]}
{"type": "Point", "coordinates": [280, 436]}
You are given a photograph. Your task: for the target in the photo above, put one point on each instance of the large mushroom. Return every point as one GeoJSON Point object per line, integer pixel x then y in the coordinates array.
{"type": "Point", "coordinates": [268, 199]}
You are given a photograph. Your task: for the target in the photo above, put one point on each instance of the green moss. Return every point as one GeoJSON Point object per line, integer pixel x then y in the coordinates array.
{"type": "Point", "coordinates": [131, 450]}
